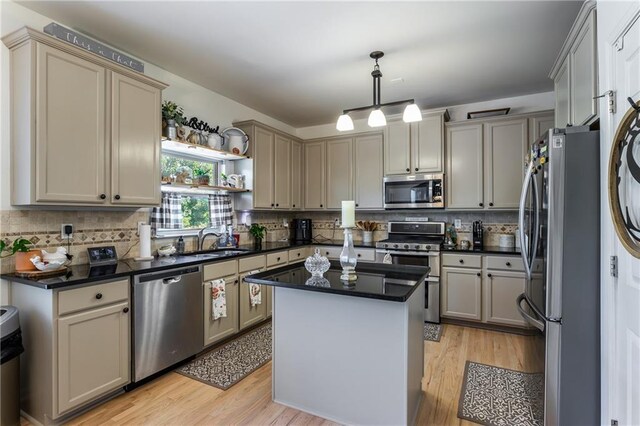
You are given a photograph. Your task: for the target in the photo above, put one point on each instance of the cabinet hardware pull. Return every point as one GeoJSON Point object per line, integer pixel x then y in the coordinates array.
{"type": "Point", "coordinates": [117, 197]}
{"type": "Point", "coordinates": [490, 204]}
{"type": "Point", "coordinates": [359, 255]}
{"type": "Point", "coordinates": [99, 296]}
{"type": "Point", "coordinates": [461, 261]}
{"type": "Point", "coordinates": [408, 169]}
{"type": "Point", "coordinates": [294, 205]}
{"type": "Point", "coordinates": [489, 275]}
{"type": "Point", "coordinates": [480, 204]}
{"type": "Point", "coordinates": [320, 205]}
{"type": "Point", "coordinates": [278, 259]}
{"type": "Point", "coordinates": [416, 169]}
{"type": "Point", "coordinates": [478, 274]}
{"type": "Point", "coordinates": [508, 263]}
{"type": "Point", "coordinates": [271, 204]}
{"type": "Point", "coordinates": [103, 196]}
{"type": "Point", "coordinates": [357, 205]}
{"type": "Point", "coordinates": [277, 205]}
{"type": "Point", "coordinates": [125, 310]}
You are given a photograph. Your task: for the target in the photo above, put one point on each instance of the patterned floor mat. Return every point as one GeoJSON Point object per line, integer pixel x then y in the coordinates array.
{"type": "Point", "coordinates": [432, 332]}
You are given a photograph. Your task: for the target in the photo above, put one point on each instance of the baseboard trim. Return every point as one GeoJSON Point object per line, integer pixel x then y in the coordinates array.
{"type": "Point", "coordinates": [490, 327]}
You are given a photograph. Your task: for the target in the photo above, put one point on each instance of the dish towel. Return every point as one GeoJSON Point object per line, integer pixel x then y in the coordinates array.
{"type": "Point", "coordinates": [255, 293]}
{"type": "Point", "coordinates": [218, 299]}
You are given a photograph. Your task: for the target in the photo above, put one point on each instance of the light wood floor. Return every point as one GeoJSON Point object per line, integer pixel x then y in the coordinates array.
{"type": "Point", "coordinates": [174, 399]}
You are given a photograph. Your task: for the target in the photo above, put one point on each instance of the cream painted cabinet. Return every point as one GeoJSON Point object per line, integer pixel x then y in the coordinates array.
{"type": "Point", "coordinates": [505, 144]}
{"type": "Point", "coordinates": [575, 72]}
{"type": "Point", "coordinates": [296, 174]}
{"type": "Point", "coordinates": [282, 172]}
{"type": "Point", "coordinates": [314, 175]}
{"type": "Point", "coordinates": [539, 124]}
{"type": "Point", "coordinates": [416, 147]}
{"type": "Point", "coordinates": [263, 168]}
{"type": "Point", "coordinates": [368, 171]}
{"type": "Point", "coordinates": [85, 131]}
{"type": "Point", "coordinates": [135, 150]}
{"type": "Point", "coordinates": [339, 172]}
{"type": "Point", "coordinates": [461, 296]}
{"type": "Point", "coordinates": [251, 314]}
{"type": "Point", "coordinates": [501, 290]}
{"type": "Point", "coordinates": [70, 159]}
{"type": "Point", "coordinates": [464, 177]}
{"type": "Point", "coordinates": [223, 327]}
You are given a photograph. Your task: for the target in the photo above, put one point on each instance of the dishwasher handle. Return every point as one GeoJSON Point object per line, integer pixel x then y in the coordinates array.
{"type": "Point", "coordinates": [172, 280]}
{"type": "Point", "coordinates": [168, 277]}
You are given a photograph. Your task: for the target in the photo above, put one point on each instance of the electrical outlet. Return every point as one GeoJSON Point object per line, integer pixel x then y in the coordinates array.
{"type": "Point", "coordinates": [140, 223]}
{"type": "Point", "coordinates": [66, 230]}
{"type": "Point", "coordinates": [336, 221]}
{"type": "Point", "coordinates": [285, 223]}
{"type": "Point", "coordinates": [457, 223]}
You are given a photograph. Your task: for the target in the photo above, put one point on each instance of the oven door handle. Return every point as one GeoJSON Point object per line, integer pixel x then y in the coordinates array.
{"type": "Point", "coordinates": [432, 279]}
{"type": "Point", "coordinates": [409, 253]}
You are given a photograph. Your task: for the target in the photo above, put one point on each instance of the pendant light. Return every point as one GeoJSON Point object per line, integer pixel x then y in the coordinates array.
{"type": "Point", "coordinates": [376, 117]}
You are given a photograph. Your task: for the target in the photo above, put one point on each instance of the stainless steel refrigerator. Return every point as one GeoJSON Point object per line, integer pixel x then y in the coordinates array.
{"type": "Point", "coordinates": [559, 225]}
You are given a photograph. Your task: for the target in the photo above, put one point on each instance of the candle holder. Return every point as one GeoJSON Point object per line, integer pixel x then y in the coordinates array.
{"type": "Point", "coordinates": [348, 259]}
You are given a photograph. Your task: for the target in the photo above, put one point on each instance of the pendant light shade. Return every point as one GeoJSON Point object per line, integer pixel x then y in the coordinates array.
{"type": "Point", "coordinates": [411, 113]}
{"type": "Point", "coordinates": [344, 123]}
{"type": "Point", "coordinates": [377, 118]}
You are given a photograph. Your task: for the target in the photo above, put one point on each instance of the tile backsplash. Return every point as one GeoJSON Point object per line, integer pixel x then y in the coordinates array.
{"type": "Point", "coordinates": [119, 228]}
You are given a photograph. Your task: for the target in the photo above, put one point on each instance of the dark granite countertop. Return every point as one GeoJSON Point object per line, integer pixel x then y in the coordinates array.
{"type": "Point", "coordinates": [375, 280]}
{"type": "Point", "coordinates": [512, 251]}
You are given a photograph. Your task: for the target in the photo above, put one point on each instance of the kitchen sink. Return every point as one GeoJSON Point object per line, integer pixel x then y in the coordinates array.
{"type": "Point", "coordinates": [220, 253]}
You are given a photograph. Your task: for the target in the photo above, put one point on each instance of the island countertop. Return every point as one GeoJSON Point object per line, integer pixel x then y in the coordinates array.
{"type": "Point", "coordinates": [394, 283]}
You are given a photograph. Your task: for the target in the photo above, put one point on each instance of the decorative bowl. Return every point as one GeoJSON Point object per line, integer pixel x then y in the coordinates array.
{"type": "Point", "coordinates": [317, 264]}
{"type": "Point", "coordinates": [54, 265]}
{"type": "Point", "coordinates": [166, 250]}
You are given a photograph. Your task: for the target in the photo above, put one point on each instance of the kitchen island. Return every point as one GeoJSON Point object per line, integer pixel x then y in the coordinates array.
{"type": "Point", "coordinates": [351, 354]}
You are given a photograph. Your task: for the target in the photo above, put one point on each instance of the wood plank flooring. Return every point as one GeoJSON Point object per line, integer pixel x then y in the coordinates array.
{"type": "Point", "coordinates": [174, 399]}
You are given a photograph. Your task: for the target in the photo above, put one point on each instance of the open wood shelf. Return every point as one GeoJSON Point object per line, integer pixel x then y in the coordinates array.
{"type": "Point", "coordinates": [198, 151]}
{"type": "Point", "coordinates": [198, 189]}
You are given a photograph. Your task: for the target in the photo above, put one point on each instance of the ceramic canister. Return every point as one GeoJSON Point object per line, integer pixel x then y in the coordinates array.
{"type": "Point", "coordinates": [507, 240]}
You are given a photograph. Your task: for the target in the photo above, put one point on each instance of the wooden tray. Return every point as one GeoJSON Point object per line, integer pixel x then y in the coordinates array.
{"type": "Point", "coordinates": [41, 274]}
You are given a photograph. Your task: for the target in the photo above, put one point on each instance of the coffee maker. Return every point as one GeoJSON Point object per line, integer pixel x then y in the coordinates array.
{"type": "Point", "coordinates": [478, 234]}
{"type": "Point", "coordinates": [301, 230]}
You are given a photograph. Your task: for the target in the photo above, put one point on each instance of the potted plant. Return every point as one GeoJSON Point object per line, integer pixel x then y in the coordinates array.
{"type": "Point", "coordinates": [257, 231]}
{"type": "Point", "coordinates": [200, 176]}
{"type": "Point", "coordinates": [173, 115]}
{"type": "Point", "coordinates": [23, 252]}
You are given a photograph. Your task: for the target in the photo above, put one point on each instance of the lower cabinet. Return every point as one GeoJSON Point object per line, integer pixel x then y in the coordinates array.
{"type": "Point", "coordinates": [250, 315]}
{"type": "Point", "coordinates": [500, 292]}
{"type": "Point", "coordinates": [461, 293]}
{"type": "Point", "coordinates": [221, 328]}
{"type": "Point", "coordinates": [333, 253]}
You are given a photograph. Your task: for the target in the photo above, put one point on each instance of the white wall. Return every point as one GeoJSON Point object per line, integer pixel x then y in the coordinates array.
{"type": "Point", "coordinates": [196, 100]}
{"type": "Point", "coordinates": [518, 104]}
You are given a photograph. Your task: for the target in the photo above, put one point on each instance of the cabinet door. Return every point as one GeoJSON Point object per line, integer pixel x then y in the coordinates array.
{"type": "Point", "coordinates": [501, 289]}
{"type": "Point", "coordinates": [216, 330]}
{"type": "Point", "coordinates": [505, 144]}
{"type": "Point", "coordinates": [397, 149]}
{"type": "Point", "coordinates": [314, 175]}
{"type": "Point", "coordinates": [296, 175]}
{"type": "Point", "coordinates": [464, 167]}
{"type": "Point", "coordinates": [93, 354]}
{"type": "Point", "coordinates": [70, 129]}
{"type": "Point", "coordinates": [538, 125]}
{"type": "Point", "coordinates": [583, 74]}
{"type": "Point", "coordinates": [427, 145]}
{"type": "Point", "coordinates": [263, 169]}
{"type": "Point", "coordinates": [282, 172]}
{"type": "Point", "coordinates": [368, 170]}
{"type": "Point", "coordinates": [250, 315]}
{"type": "Point", "coordinates": [562, 91]}
{"type": "Point", "coordinates": [461, 293]}
{"type": "Point", "coordinates": [339, 172]}
{"type": "Point", "coordinates": [135, 142]}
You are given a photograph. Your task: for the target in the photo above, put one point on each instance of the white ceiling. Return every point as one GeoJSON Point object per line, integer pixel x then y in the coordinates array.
{"type": "Point", "coordinates": [303, 62]}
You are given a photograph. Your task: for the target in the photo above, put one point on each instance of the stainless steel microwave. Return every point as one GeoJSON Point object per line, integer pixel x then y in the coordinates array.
{"type": "Point", "coordinates": [414, 192]}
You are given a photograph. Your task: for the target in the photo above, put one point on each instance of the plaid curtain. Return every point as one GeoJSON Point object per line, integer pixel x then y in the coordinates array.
{"type": "Point", "coordinates": [169, 214]}
{"type": "Point", "coordinates": [220, 212]}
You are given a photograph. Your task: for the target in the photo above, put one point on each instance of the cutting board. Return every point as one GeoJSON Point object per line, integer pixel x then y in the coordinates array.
{"type": "Point", "coordinates": [41, 274]}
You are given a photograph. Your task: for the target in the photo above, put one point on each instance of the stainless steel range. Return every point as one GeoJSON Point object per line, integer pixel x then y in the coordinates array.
{"type": "Point", "coordinates": [417, 244]}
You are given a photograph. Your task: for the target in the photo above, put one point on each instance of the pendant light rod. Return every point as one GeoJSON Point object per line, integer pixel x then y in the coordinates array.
{"type": "Point", "coordinates": [379, 105]}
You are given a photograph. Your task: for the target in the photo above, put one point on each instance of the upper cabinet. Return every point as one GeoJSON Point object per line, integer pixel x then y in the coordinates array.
{"type": "Point", "coordinates": [368, 171]}
{"type": "Point", "coordinates": [315, 159]}
{"type": "Point", "coordinates": [274, 170]}
{"type": "Point", "coordinates": [575, 73]}
{"type": "Point", "coordinates": [418, 147]}
{"type": "Point", "coordinates": [339, 172]}
{"type": "Point", "coordinates": [464, 167]}
{"type": "Point", "coordinates": [539, 123]}
{"type": "Point", "coordinates": [84, 130]}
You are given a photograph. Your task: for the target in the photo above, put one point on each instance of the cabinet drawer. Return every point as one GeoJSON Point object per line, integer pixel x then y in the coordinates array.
{"type": "Point", "coordinates": [93, 296]}
{"type": "Point", "coordinates": [279, 258]}
{"type": "Point", "coordinates": [507, 263]}
{"type": "Point", "coordinates": [462, 260]}
{"type": "Point", "coordinates": [365, 255]}
{"type": "Point", "coordinates": [251, 263]}
{"type": "Point", "coordinates": [299, 254]}
{"type": "Point", "coordinates": [217, 270]}
{"type": "Point", "coordinates": [332, 252]}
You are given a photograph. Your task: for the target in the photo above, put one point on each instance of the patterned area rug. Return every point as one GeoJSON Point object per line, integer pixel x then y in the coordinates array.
{"type": "Point", "coordinates": [226, 365]}
{"type": "Point", "coordinates": [432, 332]}
{"type": "Point", "coordinates": [496, 396]}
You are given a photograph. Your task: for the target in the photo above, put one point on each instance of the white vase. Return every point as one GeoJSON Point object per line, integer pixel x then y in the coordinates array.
{"type": "Point", "coordinates": [367, 236]}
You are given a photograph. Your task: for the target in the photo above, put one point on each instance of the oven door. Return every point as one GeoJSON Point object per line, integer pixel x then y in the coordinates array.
{"type": "Point", "coordinates": [413, 192]}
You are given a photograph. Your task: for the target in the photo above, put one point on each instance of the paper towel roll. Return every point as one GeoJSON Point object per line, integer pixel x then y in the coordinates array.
{"type": "Point", "coordinates": [145, 241]}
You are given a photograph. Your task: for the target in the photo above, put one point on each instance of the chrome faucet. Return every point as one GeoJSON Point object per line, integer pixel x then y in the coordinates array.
{"type": "Point", "coordinates": [202, 234]}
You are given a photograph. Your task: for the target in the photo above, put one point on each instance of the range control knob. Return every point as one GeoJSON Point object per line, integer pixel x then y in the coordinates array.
{"type": "Point", "coordinates": [427, 247]}
{"type": "Point", "coordinates": [417, 247]}
{"type": "Point", "coordinates": [406, 246]}
{"type": "Point", "coordinates": [385, 245]}
{"type": "Point", "coordinates": [395, 246]}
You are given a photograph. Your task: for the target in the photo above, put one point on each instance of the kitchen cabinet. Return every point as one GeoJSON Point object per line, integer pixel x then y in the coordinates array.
{"type": "Point", "coordinates": [296, 174]}
{"type": "Point", "coordinates": [368, 171]}
{"type": "Point", "coordinates": [282, 172]}
{"type": "Point", "coordinates": [505, 144]}
{"type": "Point", "coordinates": [85, 131]}
{"type": "Point", "coordinates": [539, 124]}
{"type": "Point", "coordinates": [418, 147]}
{"type": "Point", "coordinates": [217, 330]}
{"type": "Point", "coordinates": [333, 253]}
{"type": "Point", "coordinates": [250, 315]}
{"type": "Point", "coordinates": [339, 174]}
{"type": "Point", "coordinates": [464, 177]}
{"type": "Point", "coordinates": [461, 296]}
{"type": "Point", "coordinates": [263, 168]}
{"type": "Point", "coordinates": [314, 175]}
{"type": "Point", "coordinates": [78, 346]}
{"type": "Point", "coordinates": [575, 72]}
{"type": "Point", "coordinates": [501, 289]}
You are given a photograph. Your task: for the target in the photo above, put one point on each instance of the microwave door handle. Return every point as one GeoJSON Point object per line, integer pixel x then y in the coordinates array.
{"type": "Point", "coordinates": [523, 201]}
{"type": "Point", "coordinates": [531, 320]}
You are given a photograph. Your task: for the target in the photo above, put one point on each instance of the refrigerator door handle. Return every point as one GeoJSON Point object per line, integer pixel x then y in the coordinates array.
{"type": "Point", "coordinates": [531, 320]}
{"type": "Point", "coordinates": [536, 225]}
{"type": "Point", "coordinates": [523, 201]}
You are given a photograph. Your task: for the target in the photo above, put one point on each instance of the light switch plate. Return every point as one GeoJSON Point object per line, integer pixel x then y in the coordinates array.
{"type": "Point", "coordinates": [457, 223]}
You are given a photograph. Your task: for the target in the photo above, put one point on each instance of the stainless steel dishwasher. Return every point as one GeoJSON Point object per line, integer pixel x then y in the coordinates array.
{"type": "Point", "coordinates": [168, 319]}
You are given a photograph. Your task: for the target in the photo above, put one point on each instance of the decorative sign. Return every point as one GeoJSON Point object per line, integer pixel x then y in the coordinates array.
{"type": "Point", "coordinates": [92, 46]}
{"type": "Point", "coordinates": [624, 180]}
